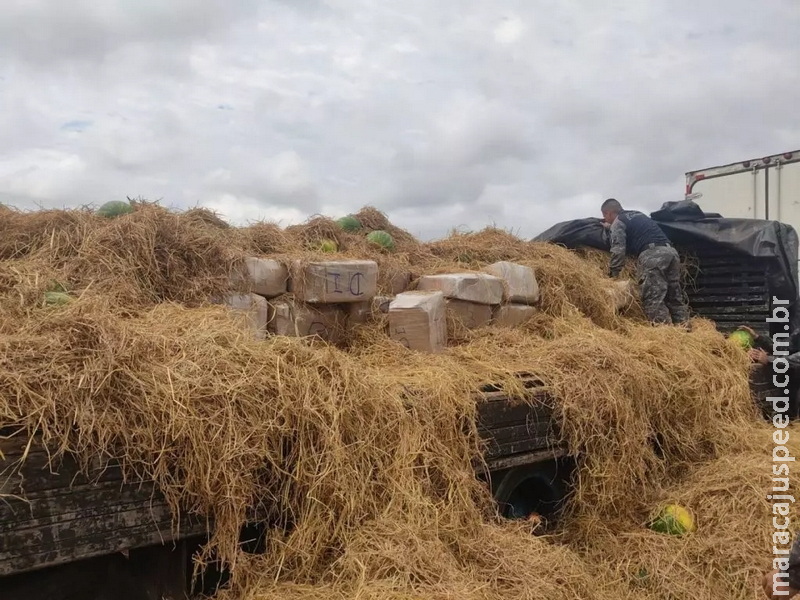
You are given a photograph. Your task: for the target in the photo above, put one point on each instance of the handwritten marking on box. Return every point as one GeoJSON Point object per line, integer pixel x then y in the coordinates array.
{"type": "Point", "coordinates": [335, 282]}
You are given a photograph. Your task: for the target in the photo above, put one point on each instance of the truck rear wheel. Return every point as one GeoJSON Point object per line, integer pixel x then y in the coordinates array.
{"type": "Point", "coordinates": [540, 488]}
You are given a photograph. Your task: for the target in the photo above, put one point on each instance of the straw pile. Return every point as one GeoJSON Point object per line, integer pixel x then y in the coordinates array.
{"type": "Point", "coordinates": [361, 457]}
{"type": "Point", "coordinates": [733, 547]}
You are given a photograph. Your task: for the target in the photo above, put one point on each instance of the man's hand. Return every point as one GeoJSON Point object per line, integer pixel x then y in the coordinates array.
{"type": "Point", "coordinates": [757, 355]}
{"type": "Point", "coordinates": [768, 591]}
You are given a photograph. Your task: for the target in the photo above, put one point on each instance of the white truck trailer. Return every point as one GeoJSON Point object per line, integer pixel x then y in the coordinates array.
{"type": "Point", "coordinates": [759, 188]}
{"type": "Point", "coordinates": [766, 189]}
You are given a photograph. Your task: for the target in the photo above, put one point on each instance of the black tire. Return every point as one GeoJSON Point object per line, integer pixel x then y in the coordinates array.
{"type": "Point", "coordinates": [539, 488]}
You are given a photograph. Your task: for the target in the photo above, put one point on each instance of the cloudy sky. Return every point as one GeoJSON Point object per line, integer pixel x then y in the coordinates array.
{"type": "Point", "coordinates": [442, 113]}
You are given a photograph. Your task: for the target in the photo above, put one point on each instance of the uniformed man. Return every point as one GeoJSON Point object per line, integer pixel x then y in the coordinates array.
{"type": "Point", "coordinates": [782, 583]}
{"type": "Point", "coordinates": [760, 356]}
{"type": "Point", "coordinates": [764, 360]}
{"type": "Point", "coordinates": [658, 264]}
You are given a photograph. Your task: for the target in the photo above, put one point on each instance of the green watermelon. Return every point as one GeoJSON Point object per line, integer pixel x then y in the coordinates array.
{"type": "Point", "coordinates": [56, 298]}
{"type": "Point", "coordinates": [673, 520]}
{"type": "Point", "coordinates": [382, 239]}
{"type": "Point", "coordinates": [55, 286]}
{"type": "Point", "coordinates": [328, 246]}
{"type": "Point", "coordinates": [349, 223]}
{"type": "Point", "coordinates": [743, 339]}
{"type": "Point", "coordinates": [115, 208]}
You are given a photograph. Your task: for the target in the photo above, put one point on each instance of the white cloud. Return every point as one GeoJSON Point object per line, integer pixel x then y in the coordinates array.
{"type": "Point", "coordinates": [41, 174]}
{"type": "Point", "coordinates": [509, 30]}
{"type": "Point", "coordinates": [242, 210]}
{"type": "Point", "coordinates": [441, 113]}
{"type": "Point", "coordinates": [288, 174]}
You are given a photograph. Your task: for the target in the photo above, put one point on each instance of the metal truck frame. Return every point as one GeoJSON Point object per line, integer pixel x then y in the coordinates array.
{"type": "Point", "coordinates": [65, 532]}
{"type": "Point", "coordinates": [763, 166]}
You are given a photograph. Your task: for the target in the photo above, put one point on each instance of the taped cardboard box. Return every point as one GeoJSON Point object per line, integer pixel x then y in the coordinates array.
{"type": "Point", "coordinates": [418, 320]}
{"type": "Point", "coordinates": [380, 304]}
{"type": "Point", "coordinates": [297, 319]}
{"type": "Point", "coordinates": [253, 310]}
{"type": "Point", "coordinates": [360, 313]}
{"type": "Point", "coordinates": [334, 282]}
{"type": "Point", "coordinates": [398, 282]}
{"type": "Point", "coordinates": [481, 288]}
{"type": "Point", "coordinates": [262, 276]}
{"type": "Point", "coordinates": [470, 314]}
{"type": "Point", "coordinates": [512, 315]}
{"type": "Point", "coordinates": [521, 286]}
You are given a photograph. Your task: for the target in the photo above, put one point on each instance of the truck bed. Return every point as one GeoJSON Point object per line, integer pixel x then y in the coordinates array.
{"type": "Point", "coordinates": [728, 289]}
{"type": "Point", "coordinates": [516, 430]}
{"type": "Point", "coordinates": [52, 515]}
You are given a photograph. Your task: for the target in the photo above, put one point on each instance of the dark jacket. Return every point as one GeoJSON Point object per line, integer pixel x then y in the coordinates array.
{"type": "Point", "coordinates": [630, 234]}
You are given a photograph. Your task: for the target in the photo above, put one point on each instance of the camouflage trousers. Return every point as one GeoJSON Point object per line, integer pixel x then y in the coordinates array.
{"type": "Point", "coordinates": [659, 274]}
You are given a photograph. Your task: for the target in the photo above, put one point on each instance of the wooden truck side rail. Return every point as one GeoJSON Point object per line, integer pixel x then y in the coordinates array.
{"type": "Point", "coordinates": [518, 431]}
{"type": "Point", "coordinates": [50, 514]}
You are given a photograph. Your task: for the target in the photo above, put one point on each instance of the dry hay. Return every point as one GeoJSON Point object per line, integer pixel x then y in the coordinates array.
{"type": "Point", "coordinates": [415, 558]}
{"type": "Point", "coordinates": [476, 248]}
{"type": "Point", "coordinates": [615, 390]}
{"type": "Point", "coordinates": [573, 286]}
{"type": "Point", "coordinates": [725, 558]}
{"type": "Point", "coordinates": [362, 458]}
{"type": "Point", "coordinates": [55, 231]}
{"type": "Point", "coordinates": [374, 220]}
{"type": "Point", "coordinates": [733, 546]}
{"type": "Point", "coordinates": [570, 285]}
{"type": "Point", "coordinates": [264, 238]}
{"type": "Point", "coordinates": [149, 256]}
{"type": "Point", "coordinates": [602, 258]}
{"type": "Point", "coordinates": [316, 230]}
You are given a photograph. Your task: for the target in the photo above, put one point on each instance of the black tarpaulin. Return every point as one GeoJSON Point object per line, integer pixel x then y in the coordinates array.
{"type": "Point", "coordinates": [693, 231]}
{"type": "Point", "coordinates": [684, 210]}
{"type": "Point", "coordinates": [755, 238]}
{"type": "Point", "coordinates": [579, 233]}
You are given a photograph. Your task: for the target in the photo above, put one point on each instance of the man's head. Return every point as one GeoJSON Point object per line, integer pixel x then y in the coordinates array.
{"type": "Point", "coordinates": [610, 209]}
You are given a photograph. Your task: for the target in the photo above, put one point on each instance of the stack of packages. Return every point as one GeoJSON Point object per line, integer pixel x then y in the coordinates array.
{"type": "Point", "coordinates": [502, 294]}
{"type": "Point", "coordinates": [363, 312]}
{"type": "Point", "coordinates": [521, 292]}
{"type": "Point", "coordinates": [323, 296]}
{"type": "Point", "coordinates": [264, 279]}
{"type": "Point", "coordinates": [325, 299]}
